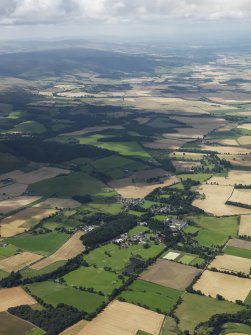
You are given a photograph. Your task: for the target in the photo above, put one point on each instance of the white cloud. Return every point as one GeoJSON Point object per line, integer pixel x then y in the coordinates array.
{"type": "Point", "coordinates": [42, 11]}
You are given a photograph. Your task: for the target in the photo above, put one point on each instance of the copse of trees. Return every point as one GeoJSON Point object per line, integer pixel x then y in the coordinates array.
{"type": "Point", "coordinates": [117, 225]}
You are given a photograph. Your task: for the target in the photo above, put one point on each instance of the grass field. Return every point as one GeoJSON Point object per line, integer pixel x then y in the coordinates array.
{"type": "Point", "coordinates": [98, 279]}
{"type": "Point", "coordinates": [237, 252]}
{"type": "Point", "coordinates": [213, 230]}
{"type": "Point", "coordinates": [236, 328]}
{"type": "Point", "coordinates": [29, 127]}
{"type": "Point", "coordinates": [42, 244]}
{"type": "Point", "coordinates": [110, 208]}
{"type": "Point", "coordinates": [10, 325]}
{"type": "Point", "coordinates": [195, 309]}
{"type": "Point", "coordinates": [76, 183]}
{"type": "Point", "coordinates": [201, 177]}
{"type": "Point", "coordinates": [119, 257]}
{"type": "Point", "coordinates": [3, 274]}
{"type": "Point", "coordinates": [131, 149]}
{"type": "Point", "coordinates": [54, 294]}
{"type": "Point", "coordinates": [8, 251]}
{"type": "Point", "coordinates": [155, 297]}
{"type": "Point", "coordinates": [29, 273]}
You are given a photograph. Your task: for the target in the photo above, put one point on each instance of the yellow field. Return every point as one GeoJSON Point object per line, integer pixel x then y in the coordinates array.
{"type": "Point", "coordinates": [245, 225]}
{"type": "Point", "coordinates": [10, 205]}
{"type": "Point", "coordinates": [68, 250]}
{"type": "Point", "coordinates": [232, 288]}
{"type": "Point", "coordinates": [12, 297]}
{"type": "Point", "coordinates": [215, 199]}
{"type": "Point", "coordinates": [75, 329]}
{"type": "Point", "coordinates": [244, 140]}
{"type": "Point", "coordinates": [246, 126]}
{"type": "Point", "coordinates": [242, 196]}
{"type": "Point", "coordinates": [22, 221]}
{"type": "Point", "coordinates": [226, 150]}
{"type": "Point", "coordinates": [121, 318]}
{"type": "Point", "coordinates": [231, 263]}
{"type": "Point", "coordinates": [18, 262]}
{"type": "Point", "coordinates": [234, 177]}
{"type": "Point", "coordinates": [58, 203]}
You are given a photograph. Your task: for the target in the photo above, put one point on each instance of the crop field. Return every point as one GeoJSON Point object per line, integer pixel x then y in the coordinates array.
{"type": "Point", "coordinates": [30, 273]}
{"type": "Point", "coordinates": [245, 225]}
{"type": "Point", "coordinates": [23, 220]}
{"type": "Point", "coordinates": [155, 297]}
{"type": "Point", "coordinates": [54, 294]}
{"type": "Point", "coordinates": [76, 183]}
{"type": "Point", "coordinates": [232, 288]}
{"type": "Point", "coordinates": [231, 264]}
{"type": "Point", "coordinates": [215, 198]}
{"type": "Point", "coordinates": [90, 277]}
{"type": "Point", "coordinates": [57, 203]}
{"type": "Point", "coordinates": [68, 250]}
{"type": "Point", "coordinates": [195, 309]}
{"type": "Point", "coordinates": [12, 297]}
{"type": "Point", "coordinates": [119, 257]}
{"type": "Point", "coordinates": [42, 244]}
{"type": "Point", "coordinates": [10, 205]}
{"type": "Point", "coordinates": [236, 329]}
{"type": "Point", "coordinates": [245, 253]}
{"type": "Point", "coordinates": [239, 243]}
{"type": "Point", "coordinates": [18, 262]}
{"type": "Point", "coordinates": [112, 321]}
{"type": "Point", "coordinates": [170, 274]}
{"type": "Point", "coordinates": [226, 150]}
{"type": "Point", "coordinates": [235, 177]}
{"type": "Point", "coordinates": [213, 230]}
{"type": "Point", "coordinates": [241, 196]}
{"type": "Point", "coordinates": [75, 329]}
{"type": "Point", "coordinates": [10, 325]}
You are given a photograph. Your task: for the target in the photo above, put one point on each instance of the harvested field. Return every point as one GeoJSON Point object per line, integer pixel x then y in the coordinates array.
{"type": "Point", "coordinates": [12, 297]}
{"type": "Point", "coordinates": [167, 143]}
{"type": "Point", "coordinates": [234, 177]}
{"type": "Point", "coordinates": [232, 288]}
{"type": "Point", "coordinates": [69, 249]}
{"type": "Point", "coordinates": [18, 262]}
{"type": "Point", "coordinates": [12, 325]}
{"type": "Point", "coordinates": [239, 243]}
{"type": "Point", "coordinates": [185, 165]}
{"type": "Point", "coordinates": [245, 225]}
{"type": "Point", "coordinates": [56, 203]}
{"type": "Point", "coordinates": [227, 142]}
{"type": "Point", "coordinates": [75, 329]}
{"type": "Point", "coordinates": [112, 321]}
{"type": "Point", "coordinates": [231, 263]}
{"type": "Point", "coordinates": [226, 150]}
{"type": "Point", "coordinates": [22, 221]}
{"type": "Point", "coordinates": [241, 196]}
{"type": "Point", "coordinates": [246, 126]}
{"type": "Point", "coordinates": [136, 186]}
{"type": "Point", "coordinates": [215, 198]}
{"type": "Point", "coordinates": [170, 274]}
{"type": "Point", "coordinates": [12, 190]}
{"type": "Point", "coordinates": [10, 205]}
{"type": "Point", "coordinates": [244, 140]}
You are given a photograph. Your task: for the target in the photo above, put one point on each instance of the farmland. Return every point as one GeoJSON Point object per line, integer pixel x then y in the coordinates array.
{"type": "Point", "coordinates": [12, 297]}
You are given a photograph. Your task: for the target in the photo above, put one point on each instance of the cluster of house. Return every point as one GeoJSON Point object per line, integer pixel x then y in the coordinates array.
{"type": "Point", "coordinates": [125, 240]}
{"type": "Point", "coordinates": [160, 209]}
{"type": "Point", "coordinates": [175, 224]}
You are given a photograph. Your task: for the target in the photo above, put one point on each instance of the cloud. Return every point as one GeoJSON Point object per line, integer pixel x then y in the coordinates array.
{"type": "Point", "coordinates": [14, 12]}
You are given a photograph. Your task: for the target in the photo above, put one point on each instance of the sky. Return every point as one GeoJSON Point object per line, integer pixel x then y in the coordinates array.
{"type": "Point", "coordinates": [131, 19]}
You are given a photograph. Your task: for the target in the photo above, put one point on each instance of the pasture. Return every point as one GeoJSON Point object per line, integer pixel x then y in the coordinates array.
{"type": "Point", "coordinates": [156, 297]}
{"type": "Point", "coordinates": [231, 264]}
{"type": "Point", "coordinates": [236, 329]}
{"type": "Point", "coordinates": [54, 294]}
{"type": "Point", "coordinates": [128, 149]}
{"type": "Point", "coordinates": [42, 244]}
{"type": "Point", "coordinates": [232, 288]}
{"type": "Point", "coordinates": [12, 297]}
{"type": "Point", "coordinates": [195, 309]}
{"type": "Point", "coordinates": [170, 274]}
{"type": "Point", "coordinates": [97, 279]}
{"type": "Point", "coordinates": [30, 273]}
{"type": "Point", "coordinates": [112, 321]}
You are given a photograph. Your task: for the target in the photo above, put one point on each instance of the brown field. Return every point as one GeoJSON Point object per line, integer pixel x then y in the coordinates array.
{"type": "Point", "coordinates": [187, 155]}
{"type": "Point", "coordinates": [239, 244]}
{"type": "Point", "coordinates": [170, 274]}
{"type": "Point", "coordinates": [241, 196]}
{"type": "Point", "coordinates": [185, 165]}
{"type": "Point", "coordinates": [75, 329]}
{"type": "Point", "coordinates": [23, 220]}
{"type": "Point", "coordinates": [12, 297]}
{"type": "Point", "coordinates": [10, 205]}
{"type": "Point", "coordinates": [226, 150]}
{"type": "Point", "coordinates": [234, 177]}
{"type": "Point", "coordinates": [245, 225]}
{"type": "Point", "coordinates": [90, 130]}
{"type": "Point", "coordinates": [56, 203]}
{"type": "Point", "coordinates": [167, 143]}
{"type": "Point", "coordinates": [13, 190]}
{"type": "Point", "coordinates": [142, 120]}
{"type": "Point", "coordinates": [68, 250]}
{"type": "Point", "coordinates": [18, 262]}
{"type": "Point", "coordinates": [121, 318]}
{"type": "Point", "coordinates": [232, 288]}
{"type": "Point", "coordinates": [215, 199]}
{"type": "Point", "coordinates": [12, 325]}
{"type": "Point", "coordinates": [231, 263]}
{"type": "Point", "coordinates": [244, 140]}
{"type": "Point", "coordinates": [227, 142]}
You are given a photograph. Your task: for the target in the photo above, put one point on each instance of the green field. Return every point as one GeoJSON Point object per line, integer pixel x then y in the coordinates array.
{"type": "Point", "coordinates": [132, 149]}
{"type": "Point", "coordinates": [54, 294]}
{"type": "Point", "coordinates": [169, 327]}
{"type": "Point", "coordinates": [30, 273]}
{"type": "Point", "coordinates": [44, 244]}
{"type": "Point", "coordinates": [248, 299]}
{"type": "Point", "coordinates": [3, 274]}
{"type": "Point", "coordinates": [213, 230]}
{"type": "Point", "coordinates": [8, 251]}
{"type": "Point", "coordinates": [237, 252]}
{"type": "Point", "coordinates": [29, 127]}
{"type": "Point", "coordinates": [90, 277]}
{"type": "Point", "coordinates": [155, 297]}
{"type": "Point", "coordinates": [77, 183]}
{"type": "Point", "coordinates": [138, 229]}
{"type": "Point", "coordinates": [119, 257]}
{"type": "Point", "coordinates": [196, 309]}
{"type": "Point", "coordinates": [140, 332]}
{"type": "Point", "coordinates": [201, 177]}
{"type": "Point", "coordinates": [235, 328]}
{"type": "Point", "coordinates": [8, 163]}
{"type": "Point", "coordinates": [109, 208]}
